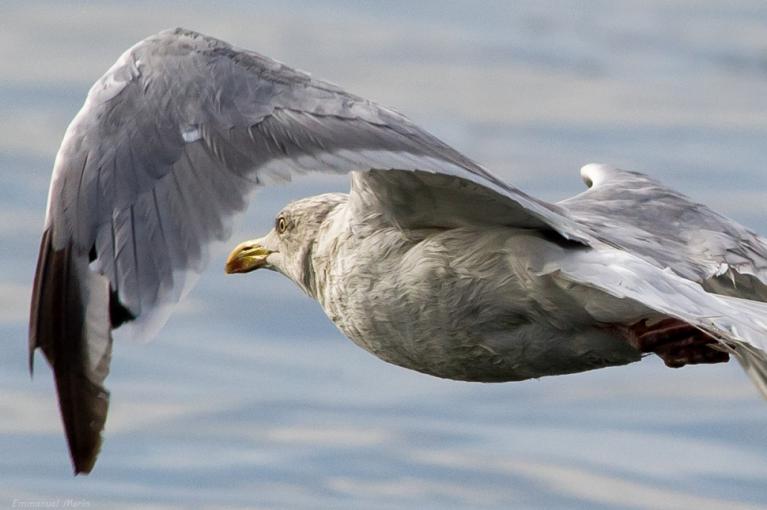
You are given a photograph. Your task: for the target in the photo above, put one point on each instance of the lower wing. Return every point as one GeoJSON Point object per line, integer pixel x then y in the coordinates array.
{"type": "Point", "coordinates": [738, 325]}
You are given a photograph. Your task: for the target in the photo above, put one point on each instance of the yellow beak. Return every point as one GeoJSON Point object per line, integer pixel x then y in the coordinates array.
{"type": "Point", "coordinates": [246, 257]}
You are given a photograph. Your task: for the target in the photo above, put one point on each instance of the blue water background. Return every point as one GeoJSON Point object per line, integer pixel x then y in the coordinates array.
{"type": "Point", "coordinates": [250, 398]}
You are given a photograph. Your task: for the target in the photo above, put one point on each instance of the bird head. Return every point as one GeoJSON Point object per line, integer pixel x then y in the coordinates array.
{"type": "Point", "coordinates": [289, 245]}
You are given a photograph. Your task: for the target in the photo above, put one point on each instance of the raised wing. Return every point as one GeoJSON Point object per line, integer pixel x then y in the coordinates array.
{"type": "Point", "coordinates": [164, 153]}
{"type": "Point", "coordinates": [638, 214]}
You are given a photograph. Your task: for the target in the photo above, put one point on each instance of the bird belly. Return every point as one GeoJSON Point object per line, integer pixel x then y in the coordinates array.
{"type": "Point", "coordinates": [513, 354]}
{"type": "Point", "coordinates": [460, 305]}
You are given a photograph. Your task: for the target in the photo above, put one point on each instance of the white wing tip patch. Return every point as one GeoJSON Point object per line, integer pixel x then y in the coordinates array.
{"type": "Point", "coordinates": [595, 174]}
{"type": "Point", "coordinates": [191, 134]}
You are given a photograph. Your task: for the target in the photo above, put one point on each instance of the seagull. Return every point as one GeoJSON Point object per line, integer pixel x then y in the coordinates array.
{"type": "Point", "coordinates": [429, 262]}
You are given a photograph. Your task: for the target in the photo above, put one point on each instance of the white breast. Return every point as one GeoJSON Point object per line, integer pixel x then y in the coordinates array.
{"type": "Point", "coordinates": [457, 304]}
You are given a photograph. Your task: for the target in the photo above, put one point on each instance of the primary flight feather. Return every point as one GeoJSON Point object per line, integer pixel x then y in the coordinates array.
{"type": "Point", "coordinates": [429, 262]}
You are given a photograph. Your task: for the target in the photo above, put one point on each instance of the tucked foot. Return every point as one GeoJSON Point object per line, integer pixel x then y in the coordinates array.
{"type": "Point", "coordinates": [675, 342]}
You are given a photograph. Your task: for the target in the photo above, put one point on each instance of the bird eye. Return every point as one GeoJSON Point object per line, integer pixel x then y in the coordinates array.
{"type": "Point", "coordinates": [282, 224]}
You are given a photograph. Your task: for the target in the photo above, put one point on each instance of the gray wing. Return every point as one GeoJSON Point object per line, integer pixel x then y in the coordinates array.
{"type": "Point", "coordinates": [638, 214]}
{"type": "Point", "coordinates": [166, 150]}
{"type": "Point", "coordinates": [605, 278]}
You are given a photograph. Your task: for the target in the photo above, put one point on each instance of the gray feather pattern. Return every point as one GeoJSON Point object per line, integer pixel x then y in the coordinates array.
{"type": "Point", "coordinates": [740, 325]}
{"type": "Point", "coordinates": [638, 214]}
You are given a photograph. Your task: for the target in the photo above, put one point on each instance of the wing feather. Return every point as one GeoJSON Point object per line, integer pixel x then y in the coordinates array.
{"type": "Point", "coordinates": [739, 325]}
{"type": "Point", "coordinates": [638, 214]}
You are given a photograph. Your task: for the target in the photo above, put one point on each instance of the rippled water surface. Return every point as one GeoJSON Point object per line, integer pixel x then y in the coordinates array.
{"type": "Point", "coordinates": [250, 398]}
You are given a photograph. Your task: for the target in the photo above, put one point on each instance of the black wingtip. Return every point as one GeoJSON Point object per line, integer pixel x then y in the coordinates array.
{"type": "Point", "coordinates": [37, 329]}
{"type": "Point", "coordinates": [84, 465]}
{"type": "Point", "coordinates": [58, 327]}
{"type": "Point", "coordinates": [84, 407]}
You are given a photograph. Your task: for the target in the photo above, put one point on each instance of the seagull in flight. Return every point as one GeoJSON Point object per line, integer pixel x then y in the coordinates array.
{"type": "Point", "coordinates": [429, 262]}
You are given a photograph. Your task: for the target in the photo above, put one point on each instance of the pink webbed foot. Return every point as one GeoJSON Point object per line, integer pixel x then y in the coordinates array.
{"type": "Point", "coordinates": [676, 342]}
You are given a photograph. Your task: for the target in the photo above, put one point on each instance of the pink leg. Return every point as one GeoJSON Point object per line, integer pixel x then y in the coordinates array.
{"type": "Point", "coordinates": [676, 342]}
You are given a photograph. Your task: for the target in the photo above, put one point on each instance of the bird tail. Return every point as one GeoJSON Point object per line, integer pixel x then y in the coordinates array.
{"type": "Point", "coordinates": [750, 352]}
